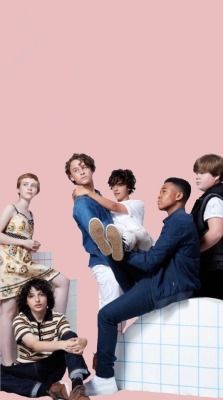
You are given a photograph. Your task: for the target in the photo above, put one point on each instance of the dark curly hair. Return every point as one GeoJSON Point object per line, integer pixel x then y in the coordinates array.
{"type": "Point", "coordinates": [122, 177]}
{"type": "Point", "coordinates": [38, 284]}
{"type": "Point", "coordinates": [87, 160]}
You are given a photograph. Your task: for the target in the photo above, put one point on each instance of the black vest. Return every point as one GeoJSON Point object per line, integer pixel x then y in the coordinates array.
{"type": "Point", "coordinates": [212, 258]}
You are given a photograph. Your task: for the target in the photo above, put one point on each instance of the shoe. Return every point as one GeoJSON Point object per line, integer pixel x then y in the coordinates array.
{"type": "Point", "coordinates": [78, 393]}
{"type": "Point", "coordinates": [97, 232]}
{"type": "Point", "coordinates": [58, 391]}
{"type": "Point", "coordinates": [115, 239]}
{"type": "Point", "coordinates": [97, 386]}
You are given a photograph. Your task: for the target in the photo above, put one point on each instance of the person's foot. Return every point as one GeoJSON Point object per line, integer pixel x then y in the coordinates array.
{"type": "Point", "coordinates": [97, 232]}
{"type": "Point", "coordinates": [78, 393]}
{"type": "Point", "coordinates": [58, 391]}
{"type": "Point", "coordinates": [115, 239]}
{"type": "Point", "coordinates": [97, 386]}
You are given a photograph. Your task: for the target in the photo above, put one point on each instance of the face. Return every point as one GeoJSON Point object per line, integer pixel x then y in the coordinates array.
{"type": "Point", "coordinates": [169, 197]}
{"type": "Point", "coordinates": [205, 180]}
{"type": "Point", "coordinates": [80, 173]}
{"type": "Point", "coordinates": [37, 300]}
{"type": "Point", "coordinates": [120, 192]}
{"type": "Point", "coordinates": [28, 188]}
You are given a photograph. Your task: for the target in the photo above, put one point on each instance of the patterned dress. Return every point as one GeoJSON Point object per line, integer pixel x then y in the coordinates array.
{"type": "Point", "coordinates": [16, 265]}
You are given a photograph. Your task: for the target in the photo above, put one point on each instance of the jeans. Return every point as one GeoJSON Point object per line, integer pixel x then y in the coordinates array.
{"type": "Point", "coordinates": [135, 302]}
{"type": "Point", "coordinates": [34, 379]}
{"type": "Point", "coordinates": [84, 209]}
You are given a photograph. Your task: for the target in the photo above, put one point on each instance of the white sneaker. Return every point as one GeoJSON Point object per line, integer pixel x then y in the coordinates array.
{"type": "Point", "coordinates": [97, 386]}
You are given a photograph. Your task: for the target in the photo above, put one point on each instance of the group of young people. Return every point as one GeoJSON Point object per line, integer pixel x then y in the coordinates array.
{"type": "Point", "coordinates": [135, 275]}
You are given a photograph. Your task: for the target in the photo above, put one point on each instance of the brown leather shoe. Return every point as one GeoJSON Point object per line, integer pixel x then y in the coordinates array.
{"type": "Point", "coordinates": [58, 391]}
{"type": "Point", "coordinates": [78, 393]}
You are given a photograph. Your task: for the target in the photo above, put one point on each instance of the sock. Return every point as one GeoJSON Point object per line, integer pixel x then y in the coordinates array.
{"type": "Point", "coordinates": [77, 380]}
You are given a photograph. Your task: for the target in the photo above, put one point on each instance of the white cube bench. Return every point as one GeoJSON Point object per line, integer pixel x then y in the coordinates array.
{"type": "Point", "coordinates": [178, 349]}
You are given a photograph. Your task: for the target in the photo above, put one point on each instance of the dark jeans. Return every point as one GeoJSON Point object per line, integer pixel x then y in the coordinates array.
{"type": "Point", "coordinates": [135, 302]}
{"type": "Point", "coordinates": [34, 379]}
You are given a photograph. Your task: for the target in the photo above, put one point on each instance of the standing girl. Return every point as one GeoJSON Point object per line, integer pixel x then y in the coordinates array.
{"type": "Point", "coordinates": [16, 265]}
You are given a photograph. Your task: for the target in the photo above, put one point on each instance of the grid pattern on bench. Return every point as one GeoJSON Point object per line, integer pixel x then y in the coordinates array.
{"type": "Point", "coordinates": [178, 349]}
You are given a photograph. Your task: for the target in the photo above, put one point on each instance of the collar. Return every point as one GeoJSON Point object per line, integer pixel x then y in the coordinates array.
{"type": "Point", "coordinates": [48, 316]}
{"type": "Point", "coordinates": [178, 211]}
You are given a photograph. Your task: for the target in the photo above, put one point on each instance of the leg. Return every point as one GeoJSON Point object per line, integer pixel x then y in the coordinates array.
{"type": "Point", "coordinates": [143, 239]}
{"type": "Point", "coordinates": [8, 312]}
{"type": "Point", "coordinates": [86, 209]}
{"type": "Point", "coordinates": [137, 301]}
{"type": "Point", "coordinates": [61, 289]}
{"type": "Point", "coordinates": [75, 362]}
{"type": "Point", "coordinates": [23, 379]}
{"type": "Point", "coordinates": [108, 287]}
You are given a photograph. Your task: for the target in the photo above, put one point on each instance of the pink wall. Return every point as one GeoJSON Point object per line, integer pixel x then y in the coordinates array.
{"type": "Point", "coordinates": [136, 84]}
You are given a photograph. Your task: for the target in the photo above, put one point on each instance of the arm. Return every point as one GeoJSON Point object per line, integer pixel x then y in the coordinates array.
{"type": "Point", "coordinates": [213, 235]}
{"type": "Point", "coordinates": [5, 217]}
{"type": "Point", "coordinates": [164, 248]}
{"type": "Point", "coordinates": [103, 201]}
{"type": "Point", "coordinates": [36, 345]}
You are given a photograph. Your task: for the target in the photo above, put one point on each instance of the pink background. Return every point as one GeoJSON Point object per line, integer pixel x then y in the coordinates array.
{"type": "Point", "coordinates": [136, 84]}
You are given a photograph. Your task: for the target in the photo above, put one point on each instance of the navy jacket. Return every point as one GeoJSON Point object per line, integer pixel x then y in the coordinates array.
{"type": "Point", "coordinates": [173, 262]}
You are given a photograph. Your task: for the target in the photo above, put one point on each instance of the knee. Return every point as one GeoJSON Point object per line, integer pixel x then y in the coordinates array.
{"type": "Point", "coordinates": [68, 335]}
{"type": "Point", "coordinates": [106, 314]}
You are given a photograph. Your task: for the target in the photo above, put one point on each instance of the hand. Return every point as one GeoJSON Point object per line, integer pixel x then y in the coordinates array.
{"type": "Point", "coordinates": [80, 190]}
{"type": "Point", "coordinates": [75, 345]}
{"type": "Point", "coordinates": [32, 245]}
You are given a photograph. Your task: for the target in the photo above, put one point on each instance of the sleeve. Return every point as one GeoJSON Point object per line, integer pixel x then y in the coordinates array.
{"type": "Point", "coordinates": [214, 208]}
{"type": "Point", "coordinates": [63, 326]}
{"type": "Point", "coordinates": [161, 253]}
{"type": "Point", "coordinates": [21, 327]}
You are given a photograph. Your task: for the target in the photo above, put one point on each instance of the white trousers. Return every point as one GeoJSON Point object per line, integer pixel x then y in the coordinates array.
{"type": "Point", "coordinates": [108, 287]}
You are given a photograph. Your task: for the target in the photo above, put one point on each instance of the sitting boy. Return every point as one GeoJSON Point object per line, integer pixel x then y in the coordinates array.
{"type": "Point", "coordinates": [167, 273]}
{"type": "Point", "coordinates": [45, 347]}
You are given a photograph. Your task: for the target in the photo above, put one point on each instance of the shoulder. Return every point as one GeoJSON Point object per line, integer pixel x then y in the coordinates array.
{"type": "Point", "coordinates": [20, 318]}
{"type": "Point", "coordinates": [180, 216]}
{"type": "Point", "coordinates": [9, 210]}
{"type": "Point", "coordinates": [58, 316]}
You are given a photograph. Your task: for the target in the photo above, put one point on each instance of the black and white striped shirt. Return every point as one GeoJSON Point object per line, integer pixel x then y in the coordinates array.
{"type": "Point", "coordinates": [53, 326]}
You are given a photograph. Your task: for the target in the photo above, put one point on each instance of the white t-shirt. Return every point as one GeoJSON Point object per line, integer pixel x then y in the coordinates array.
{"type": "Point", "coordinates": [214, 208]}
{"type": "Point", "coordinates": [134, 218]}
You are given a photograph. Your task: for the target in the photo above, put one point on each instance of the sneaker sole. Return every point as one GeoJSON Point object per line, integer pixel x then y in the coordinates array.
{"type": "Point", "coordinates": [97, 232]}
{"type": "Point", "coordinates": [115, 240]}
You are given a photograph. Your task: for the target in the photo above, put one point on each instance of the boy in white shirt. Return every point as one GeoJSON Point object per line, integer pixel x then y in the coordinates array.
{"type": "Point", "coordinates": [127, 215]}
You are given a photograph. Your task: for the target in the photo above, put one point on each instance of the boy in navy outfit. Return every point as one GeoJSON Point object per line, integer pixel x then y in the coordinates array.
{"type": "Point", "coordinates": [167, 273]}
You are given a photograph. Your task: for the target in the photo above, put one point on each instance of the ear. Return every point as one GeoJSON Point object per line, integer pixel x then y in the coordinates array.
{"type": "Point", "coordinates": [179, 196]}
{"type": "Point", "coordinates": [217, 178]}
